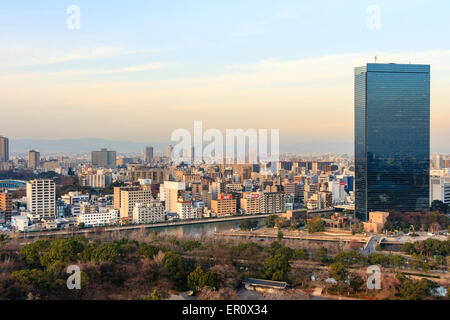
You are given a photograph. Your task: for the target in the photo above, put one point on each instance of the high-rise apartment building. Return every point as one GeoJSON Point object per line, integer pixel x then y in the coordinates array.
{"type": "Point", "coordinates": [250, 202]}
{"type": "Point", "coordinates": [191, 154]}
{"type": "Point", "coordinates": [440, 189]}
{"type": "Point", "coordinates": [6, 204]}
{"type": "Point", "coordinates": [170, 192]}
{"type": "Point", "coordinates": [438, 163]}
{"type": "Point", "coordinates": [169, 150]}
{"type": "Point", "coordinates": [129, 198]}
{"type": "Point", "coordinates": [296, 190]}
{"type": "Point", "coordinates": [272, 202]}
{"type": "Point", "coordinates": [4, 149]}
{"type": "Point", "coordinates": [185, 210]}
{"type": "Point", "coordinates": [392, 138]}
{"type": "Point", "coordinates": [325, 199]}
{"type": "Point", "coordinates": [216, 188]}
{"type": "Point", "coordinates": [224, 205]}
{"type": "Point", "coordinates": [117, 195]}
{"type": "Point", "coordinates": [34, 159]}
{"type": "Point", "coordinates": [197, 188]}
{"type": "Point", "coordinates": [148, 155]}
{"type": "Point", "coordinates": [41, 198]}
{"type": "Point", "coordinates": [148, 212]}
{"type": "Point", "coordinates": [103, 159]}
{"type": "Point", "coordinates": [337, 189]}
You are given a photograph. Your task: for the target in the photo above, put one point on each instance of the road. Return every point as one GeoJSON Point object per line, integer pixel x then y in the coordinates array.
{"type": "Point", "coordinates": [371, 245]}
{"type": "Point", "coordinates": [306, 236]}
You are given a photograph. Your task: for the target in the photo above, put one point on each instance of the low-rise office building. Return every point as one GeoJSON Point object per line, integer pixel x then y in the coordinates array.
{"type": "Point", "coordinates": [376, 222]}
{"type": "Point", "coordinates": [101, 218]}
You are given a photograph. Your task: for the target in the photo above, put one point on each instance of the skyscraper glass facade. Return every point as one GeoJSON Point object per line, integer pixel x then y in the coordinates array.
{"type": "Point", "coordinates": [392, 138]}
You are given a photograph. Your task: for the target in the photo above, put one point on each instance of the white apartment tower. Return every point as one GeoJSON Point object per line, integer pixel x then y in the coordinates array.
{"type": "Point", "coordinates": [440, 189]}
{"type": "Point", "coordinates": [185, 210]}
{"type": "Point", "coordinates": [170, 193]}
{"type": "Point", "coordinates": [41, 198]}
{"type": "Point", "coordinates": [148, 213]}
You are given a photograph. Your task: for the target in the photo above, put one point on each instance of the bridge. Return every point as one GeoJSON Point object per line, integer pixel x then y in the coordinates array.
{"type": "Point", "coordinates": [12, 184]}
{"type": "Point", "coordinates": [344, 207]}
{"type": "Point", "coordinates": [321, 210]}
{"type": "Point", "coordinates": [371, 245]}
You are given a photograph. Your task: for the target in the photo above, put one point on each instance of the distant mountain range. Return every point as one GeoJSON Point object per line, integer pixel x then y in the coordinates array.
{"type": "Point", "coordinates": [21, 146]}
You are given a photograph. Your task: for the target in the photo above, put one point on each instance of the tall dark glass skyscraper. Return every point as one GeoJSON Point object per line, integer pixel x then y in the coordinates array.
{"type": "Point", "coordinates": [392, 138]}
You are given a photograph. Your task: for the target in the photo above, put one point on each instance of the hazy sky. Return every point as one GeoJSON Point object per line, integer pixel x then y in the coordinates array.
{"type": "Point", "coordinates": [137, 70]}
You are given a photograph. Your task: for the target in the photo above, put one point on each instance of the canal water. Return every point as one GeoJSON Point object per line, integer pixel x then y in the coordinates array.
{"type": "Point", "coordinates": [191, 230]}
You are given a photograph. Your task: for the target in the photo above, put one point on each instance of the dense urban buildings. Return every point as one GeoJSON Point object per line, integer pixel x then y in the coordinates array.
{"type": "Point", "coordinates": [160, 191]}
{"type": "Point", "coordinates": [392, 138]}
{"type": "Point", "coordinates": [196, 151]}
{"type": "Point", "coordinates": [392, 173]}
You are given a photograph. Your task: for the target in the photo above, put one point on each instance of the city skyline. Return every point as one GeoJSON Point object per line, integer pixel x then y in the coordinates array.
{"type": "Point", "coordinates": [247, 151]}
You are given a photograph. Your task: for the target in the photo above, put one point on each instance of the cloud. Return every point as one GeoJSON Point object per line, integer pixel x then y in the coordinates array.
{"type": "Point", "coordinates": [334, 66]}
{"type": "Point", "coordinates": [85, 72]}
{"type": "Point", "coordinates": [439, 57]}
{"type": "Point", "coordinates": [14, 56]}
{"type": "Point", "coordinates": [308, 98]}
{"type": "Point", "coordinates": [323, 72]}
{"type": "Point", "coordinates": [140, 68]}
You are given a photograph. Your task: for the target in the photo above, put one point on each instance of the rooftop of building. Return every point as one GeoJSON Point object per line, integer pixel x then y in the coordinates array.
{"type": "Point", "coordinates": [266, 283]}
{"type": "Point", "coordinates": [393, 67]}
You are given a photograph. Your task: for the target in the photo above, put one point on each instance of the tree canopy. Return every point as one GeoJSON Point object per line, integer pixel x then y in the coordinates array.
{"type": "Point", "coordinates": [315, 225]}
{"type": "Point", "coordinates": [199, 278]}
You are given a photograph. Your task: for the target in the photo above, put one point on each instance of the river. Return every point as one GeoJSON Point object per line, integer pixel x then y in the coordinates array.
{"type": "Point", "coordinates": [181, 231]}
